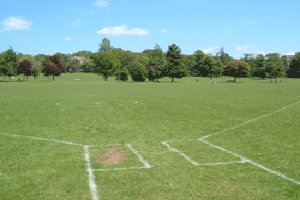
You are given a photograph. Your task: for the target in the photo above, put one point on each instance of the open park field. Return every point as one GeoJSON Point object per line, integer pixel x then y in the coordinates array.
{"type": "Point", "coordinates": [80, 137]}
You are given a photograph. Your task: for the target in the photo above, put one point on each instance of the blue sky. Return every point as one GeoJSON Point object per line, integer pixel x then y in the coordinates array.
{"type": "Point", "coordinates": [67, 26]}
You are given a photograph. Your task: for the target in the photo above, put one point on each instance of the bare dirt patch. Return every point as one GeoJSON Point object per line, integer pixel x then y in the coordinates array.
{"type": "Point", "coordinates": [112, 156]}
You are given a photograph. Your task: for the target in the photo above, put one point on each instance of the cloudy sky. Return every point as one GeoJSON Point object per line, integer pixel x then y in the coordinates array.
{"type": "Point", "coordinates": [239, 26]}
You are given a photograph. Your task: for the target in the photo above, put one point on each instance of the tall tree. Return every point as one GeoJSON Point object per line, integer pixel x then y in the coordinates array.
{"type": "Point", "coordinates": [223, 57]}
{"type": "Point", "coordinates": [275, 66]}
{"type": "Point", "coordinates": [25, 68]}
{"type": "Point", "coordinates": [294, 69]}
{"type": "Point", "coordinates": [212, 68]}
{"type": "Point", "coordinates": [258, 67]}
{"type": "Point", "coordinates": [53, 66]}
{"type": "Point", "coordinates": [156, 64]}
{"type": "Point", "coordinates": [174, 68]}
{"type": "Point", "coordinates": [198, 65]}
{"type": "Point", "coordinates": [237, 68]}
{"type": "Point", "coordinates": [105, 64]}
{"type": "Point", "coordinates": [104, 46]}
{"type": "Point", "coordinates": [9, 63]}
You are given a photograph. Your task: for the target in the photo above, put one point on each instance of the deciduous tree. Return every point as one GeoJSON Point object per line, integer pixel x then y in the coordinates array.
{"type": "Point", "coordinates": [174, 67]}
{"type": "Point", "coordinates": [53, 66]}
{"type": "Point", "coordinates": [294, 69]}
{"type": "Point", "coordinates": [25, 68]}
{"type": "Point", "coordinates": [237, 68]}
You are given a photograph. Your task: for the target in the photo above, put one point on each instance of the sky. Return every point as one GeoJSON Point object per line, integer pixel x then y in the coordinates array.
{"type": "Point", "coordinates": [68, 26]}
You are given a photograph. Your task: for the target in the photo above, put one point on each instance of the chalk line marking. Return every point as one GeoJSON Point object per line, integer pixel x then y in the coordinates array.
{"type": "Point", "coordinates": [42, 139]}
{"type": "Point", "coordinates": [120, 169]}
{"type": "Point", "coordinates": [189, 159]}
{"type": "Point", "coordinates": [129, 102]}
{"type": "Point", "coordinates": [146, 165]}
{"type": "Point", "coordinates": [92, 184]}
{"type": "Point", "coordinates": [277, 173]}
{"type": "Point", "coordinates": [249, 121]}
{"type": "Point", "coordinates": [141, 158]}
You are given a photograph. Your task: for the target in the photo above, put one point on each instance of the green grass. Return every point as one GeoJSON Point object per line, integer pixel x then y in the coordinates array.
{"type": "Point", "coordinates": [94, 112]}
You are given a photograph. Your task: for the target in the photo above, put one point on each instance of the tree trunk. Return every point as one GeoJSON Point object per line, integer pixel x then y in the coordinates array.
{"type": "Point", "coordinates": [53, 77]}
{"type": "Point", "coordinates": [172, 79]}
{"type": "Point", "coordinates": [156, 79]}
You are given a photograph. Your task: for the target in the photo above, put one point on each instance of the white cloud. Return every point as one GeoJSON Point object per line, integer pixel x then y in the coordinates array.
{"type": "Point", "coordinates": [68, 39]}
{"type": "Point", "coordinates": [123, 30]}
{"type": "Point", "coordinates": [211, 50]}
{"type": "Point", "coordinates": [165, 31]}
{"type": "Point", "coordinates": [102, 3]}
{"type": "Point", "coordinates": [15, 24]}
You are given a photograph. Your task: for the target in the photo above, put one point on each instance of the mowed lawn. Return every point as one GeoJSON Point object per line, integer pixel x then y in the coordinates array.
{"type": "Point", "coordinates": [84, 109]}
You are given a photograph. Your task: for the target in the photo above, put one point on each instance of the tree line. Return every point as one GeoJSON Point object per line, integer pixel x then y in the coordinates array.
{"type": "Point", "coordinates": [151, 64]}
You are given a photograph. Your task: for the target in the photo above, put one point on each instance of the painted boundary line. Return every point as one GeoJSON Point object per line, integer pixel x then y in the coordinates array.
{"type": "Point", "coordinates": [165, 143]}
{"type": "Point", "coordinates": [277, 173]}
{"type": "Point", "coordinates": [146, 165]}
{"type": "Point", "coordinates": [42, 139]}
{"type": "Point", "coordinates": [249, 121]}
{"type": "Point", "coordinates": [242, 158]}
{"type": "Point", "coordinates": [189, 159]}
{"type": "Point", "coordinates": [92, 184]}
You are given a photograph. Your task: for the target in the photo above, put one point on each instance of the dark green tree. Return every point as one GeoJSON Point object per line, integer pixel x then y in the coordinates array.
{"type": "Point", "coordinates": [237, 68]}
{"type": "Point", "coordinates": [294, 69]}
{"type": "Point", "coordinates": [258, 67]}
{"type": "Point", "coordinates": [105, 64]}
{"type": "Point", "coordinates": [104, 46]}
{"type": "Point", "coordinates": [138, 72]}
{"type": "Point", "coordinates": [9, 63]}
{"type": "Point", "coordinates": [156, 64]}
{"type": "Point", "coordinates": [174, 67]}
{"type": "Point", "coordinates": [223, 57]}
{"type": "Point", "coordinates": [275, 66]}
{"type": "Point", "coordinates": [198, 65]}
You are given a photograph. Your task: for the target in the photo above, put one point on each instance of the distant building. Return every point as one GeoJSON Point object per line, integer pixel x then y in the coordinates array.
{"type": "Point", "coordinates": [80, 59]}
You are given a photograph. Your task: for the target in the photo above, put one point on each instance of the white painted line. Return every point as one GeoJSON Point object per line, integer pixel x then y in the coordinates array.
{"type": "Point", "coordinates": [92, 183]}
{"type": "Point", "coordinates": [277, 173]}
{"type": "Point", "coordinates": [120, 169]}
{"type": "Point", "coordinates": [42, 139]}
{"type": "Point", "coordinates": [146, 164]}
{"type": "Point", "coordinates": [249, 121]}
{"type": "Point", "coordinates": [165, 143]}
{"type": "Point", "coordinates": [129, 102]}
{"type": "Point", "coordinates": [222, 163]}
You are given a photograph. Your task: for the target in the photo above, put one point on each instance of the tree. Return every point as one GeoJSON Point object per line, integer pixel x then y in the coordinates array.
{"type": "Point", "coordinates": [155, 67]}
{"type": "Point", "coordinates": [259, 67]}
{"type": "Point", "coordinates": [237, 68]}
{"type": "Point", "coordinates": [25, 68]}
{"type": "Point", "coordinates": [275, 66]}
{"type": "Point", "coordinates": [105, 64]}
{"type": "Point", "coordinates": [9, 63]}
{"type": "Point", "coordinates": [53, 66]}
{"type": "Point", "coordinates": [105, 46]}
{"type": "Point", "coordinates": [198, 65]}
{"type": "Point", "coordinates": [212, 67]}
{"type": "Point", "coordinates": [138, 72]}
{"type": "Point", "coordinates": [122, 74]}
{"type": "Point", "coordinates": [174, 68]}
{"type": "Point", "coordinates": [294, 69]}
{"type": "Point", "coordinates": [223, 57]}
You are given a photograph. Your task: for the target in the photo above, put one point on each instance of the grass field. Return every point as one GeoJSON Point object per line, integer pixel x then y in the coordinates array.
{"type": "Point", "coordinates": [182, 140]}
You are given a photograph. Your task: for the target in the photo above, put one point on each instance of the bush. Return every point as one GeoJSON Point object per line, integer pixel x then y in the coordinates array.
{"type": "Point", "coordinates": [138, 73]}
{"type": "Point", "coordinates": [122, 75]}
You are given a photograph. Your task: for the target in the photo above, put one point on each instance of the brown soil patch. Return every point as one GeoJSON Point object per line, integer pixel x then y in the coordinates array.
{"type": "Point", "coordinates": [113, 156]}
